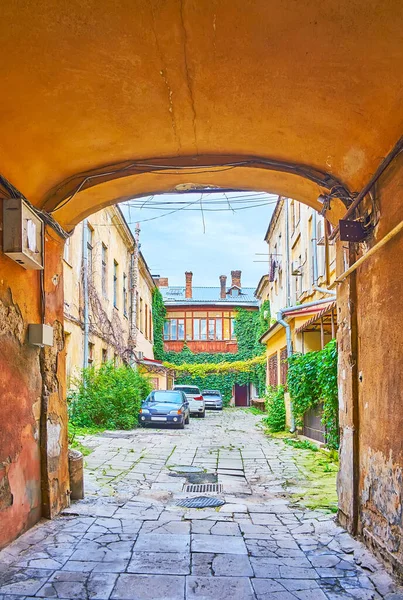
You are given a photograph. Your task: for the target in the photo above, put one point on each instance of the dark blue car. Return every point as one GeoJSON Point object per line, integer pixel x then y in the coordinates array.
{"type": "Point", "coordinates": [165, 406]}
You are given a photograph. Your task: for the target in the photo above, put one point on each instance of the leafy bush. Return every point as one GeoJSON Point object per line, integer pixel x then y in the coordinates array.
{"type": "Point", "coordinates": [108, 397]}
{"type": "Point", "coordinates": [311, 379]}
{"type": "Point", "coordinates": [275, 408]}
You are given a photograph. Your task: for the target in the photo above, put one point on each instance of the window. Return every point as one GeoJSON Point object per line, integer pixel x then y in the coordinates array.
{"type": "Point", "coordinates": [211, 329]}
{"type": "Point", "coordinates": [115, 284]}
{"type": "Point", "coordinates": [141, 315]}
{"type": "Point", "coordinates": [196, 329]}
{"type": "Point", "coordinates": [89, 249]}
{"type": "Point", "coordinates": [232, 328]}
{"type": "Point", "coordinates": [90, 353]}
{"type": "Point", "coordinates": [218, 329]}
{"type": "Point", "coordinates": [272, 370]}
{"type": "Point", "coordinates": [104, 355]}
{"type": "Point", "coordinates": [104, 271]}
{"type": "Point", "coordinates": [125, 294]}
{"type": "Point", "coordinates": [174, 329]}
{"type": "Point", "coordinates": [203, 329]}
{"type": "Point", "coordinates": [146, 321]}
{"type": "Point", "coordinates": [150, 321]}
{"type": "Point", "coordinates": [295, 214]}
{"type": "Point", "coordinates": [67, 250]}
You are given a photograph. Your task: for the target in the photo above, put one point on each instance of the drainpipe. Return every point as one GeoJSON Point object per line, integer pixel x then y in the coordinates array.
{"type": "Point", "coordinates": [314, 249]}
{"type": "Point", "coordinates": [134, 284]}
{"type": "Point", "coordinates": [85, 292]}
{"type": "Point", "coordinates": [289, 353]}
{"type": "Point", "coordinates": [287, 253]}
{"type": "Point", "coordinates": [324, 291]}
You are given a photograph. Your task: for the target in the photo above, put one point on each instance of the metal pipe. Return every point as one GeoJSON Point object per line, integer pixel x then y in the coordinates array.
{"type": "Point", "coordinates": [305, 305]}
{"type": "Point", "coordinates": [289, 353]}
{"type": "Point", "coordinates": [370, 252]}
{"type": "Point", "coordinates": [287, 253]}
{"type": "Point", "coordinates": [314, 248]}
{"type": "Point", "coordinates": [317, 288]}
{"type": "Point", "coordinates": [85, 292]}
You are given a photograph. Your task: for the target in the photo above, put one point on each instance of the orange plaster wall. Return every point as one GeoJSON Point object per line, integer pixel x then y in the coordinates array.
{"type": "Point", "coordinates": [20, 394]}
{"type": "Point", "coordinates": [380, 373]}
{"type": "Point", "coordinates": [22, 437]}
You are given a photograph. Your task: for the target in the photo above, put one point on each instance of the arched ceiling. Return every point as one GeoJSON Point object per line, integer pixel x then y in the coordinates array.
{"type": "Point", "coordinates": [88, 84]}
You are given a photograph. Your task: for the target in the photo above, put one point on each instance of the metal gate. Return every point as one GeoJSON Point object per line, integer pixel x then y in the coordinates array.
{"type": "Point", "coordinates": [313, 427]}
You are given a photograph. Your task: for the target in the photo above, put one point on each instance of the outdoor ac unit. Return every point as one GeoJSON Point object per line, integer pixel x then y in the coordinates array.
{"type": "Point", "coordinates": [296, 268]}
{"type": "Point", "coordinates": [140, 355]}
{"type": "Point", "coordinates": [22, 234]}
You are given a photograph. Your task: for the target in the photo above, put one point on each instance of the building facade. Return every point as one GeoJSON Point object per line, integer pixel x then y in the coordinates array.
{"type": "Point", "coordinates": [301, 268]}
{"type": "Point", "coordinates": [108, 298]}
{"type": "Point", "coordinates": [204, 317]}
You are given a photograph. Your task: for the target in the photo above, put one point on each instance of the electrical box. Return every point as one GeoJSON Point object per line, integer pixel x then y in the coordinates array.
{"type": "Point", "coordinates": [22, 234]}
{"type": "Point", "coordinates": [40, 335]}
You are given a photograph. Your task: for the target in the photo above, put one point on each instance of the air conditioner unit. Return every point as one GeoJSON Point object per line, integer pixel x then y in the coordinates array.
{"type": "Point", "coordinates": [22, 234]}
{"type": "Point", "coordinates": [296, 268]}
{"type": "Point", "coordinates": [140, 355]}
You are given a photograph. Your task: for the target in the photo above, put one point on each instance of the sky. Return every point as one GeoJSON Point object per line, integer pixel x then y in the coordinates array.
{"type": "Point", "coordinates": [207, 243]}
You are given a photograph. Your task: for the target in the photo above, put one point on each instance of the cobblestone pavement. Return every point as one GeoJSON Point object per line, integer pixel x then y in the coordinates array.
{"type": "Point", "coordinates": [129, 540]}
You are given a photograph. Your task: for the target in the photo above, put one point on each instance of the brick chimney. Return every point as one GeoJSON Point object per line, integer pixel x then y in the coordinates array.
{"type": "Point", "coordinates": [223, 286]}
{"type": "Point", "coordinates": [163, 282]}
{"type": "Point", "coordinates": [188, 276]}
{"type": "Point", "coordinates": [236, 278]}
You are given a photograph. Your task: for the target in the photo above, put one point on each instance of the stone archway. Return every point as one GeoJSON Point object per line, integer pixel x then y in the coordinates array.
{"type": "Point", "coordinates": [219, 93]}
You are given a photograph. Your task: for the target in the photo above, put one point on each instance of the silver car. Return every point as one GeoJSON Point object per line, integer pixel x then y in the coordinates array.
{"type": "Point", "coordinates": [213, 399]}
{"type": "Point", "coordinates": [195, 399]}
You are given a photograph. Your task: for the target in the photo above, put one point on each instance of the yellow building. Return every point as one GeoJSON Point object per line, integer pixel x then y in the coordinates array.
{"type": "Point", "coordinates": [108, 297]}
{"type": "Point", "coordinates": [302, 266]}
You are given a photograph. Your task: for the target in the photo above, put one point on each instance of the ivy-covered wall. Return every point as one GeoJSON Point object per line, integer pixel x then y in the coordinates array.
{"type": "Point", "coordinates": [158, 312]}
{"type": "Point", "coordinates": [249, 326]}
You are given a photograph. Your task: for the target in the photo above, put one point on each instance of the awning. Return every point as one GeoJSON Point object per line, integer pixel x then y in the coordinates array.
{"type": "Point", "coordinates": [316, 318]}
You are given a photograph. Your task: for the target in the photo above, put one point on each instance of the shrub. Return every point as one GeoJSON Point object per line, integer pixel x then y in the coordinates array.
{"type": "Point", "coordinates": [275, 407]}
{"type": "Point", "coordinates": [108, 397]}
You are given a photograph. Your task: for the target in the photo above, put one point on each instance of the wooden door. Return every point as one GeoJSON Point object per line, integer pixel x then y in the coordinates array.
{"type": "Point", "coordinates": [241, 395]}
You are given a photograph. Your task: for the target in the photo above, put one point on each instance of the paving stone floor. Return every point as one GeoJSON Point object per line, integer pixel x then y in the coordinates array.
{"type": "Point", "coordinates": [128, 540]}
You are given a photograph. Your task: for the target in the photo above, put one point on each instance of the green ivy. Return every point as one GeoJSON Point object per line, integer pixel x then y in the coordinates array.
{"type": "Point", "coordinates": [312, 379]}
{"type": "Point", "coordinates": [159, 312]}
{"type": "Point", "coordinates": [275, 408]}
{"type": "Point", "coordinates": [249, 326]}
{"type": "Point", "coordinates": [107, 397]}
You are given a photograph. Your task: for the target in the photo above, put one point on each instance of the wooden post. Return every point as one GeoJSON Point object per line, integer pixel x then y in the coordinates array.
{"type": "Point", "coordinates": [322, 334]}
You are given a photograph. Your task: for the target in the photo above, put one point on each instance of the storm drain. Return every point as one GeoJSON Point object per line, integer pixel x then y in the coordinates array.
{"type": "Point", "coordinates": [200, 502]}
{"type": "Point", "coordinates": [200, 488]}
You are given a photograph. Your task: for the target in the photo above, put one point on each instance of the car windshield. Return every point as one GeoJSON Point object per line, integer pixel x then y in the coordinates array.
{"type": "Point", "coordinates": [168, 397]}
{"type": "Point", "coordinates": [189, 390]}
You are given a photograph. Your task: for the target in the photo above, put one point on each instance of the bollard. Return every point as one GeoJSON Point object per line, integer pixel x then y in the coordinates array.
{"type": "Point", "coordinates": [76, 472]}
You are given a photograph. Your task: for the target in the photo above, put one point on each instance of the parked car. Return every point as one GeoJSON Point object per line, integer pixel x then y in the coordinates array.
{"type": "Point", "coordinates": [213, 399]}
{"type": "Point", "coordinates": [195, 398]}
{"type": "Point", "coordinates": [165, 406]}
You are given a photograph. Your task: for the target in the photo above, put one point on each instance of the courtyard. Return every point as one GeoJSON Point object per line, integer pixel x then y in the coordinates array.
{"type": "Point", "coordinates": [129, 539]}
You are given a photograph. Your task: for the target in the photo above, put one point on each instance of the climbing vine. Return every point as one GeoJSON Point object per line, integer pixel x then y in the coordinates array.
{"type": "Point", "coordinates": [223, 370]}
{"type": "Point", "coordinates": [312, 379]}
{"type": "Point", "coordinates": [159, 312]}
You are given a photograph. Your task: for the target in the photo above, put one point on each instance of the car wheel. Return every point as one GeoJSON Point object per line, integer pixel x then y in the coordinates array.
{"type": "Point", "coordinates": [187, 420]}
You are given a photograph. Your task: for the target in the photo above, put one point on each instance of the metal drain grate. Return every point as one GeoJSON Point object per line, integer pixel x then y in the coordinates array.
{"type": "Point", "coordinates": [199, 488]}
{"type": "Point", "coordinates": [200, 502]}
